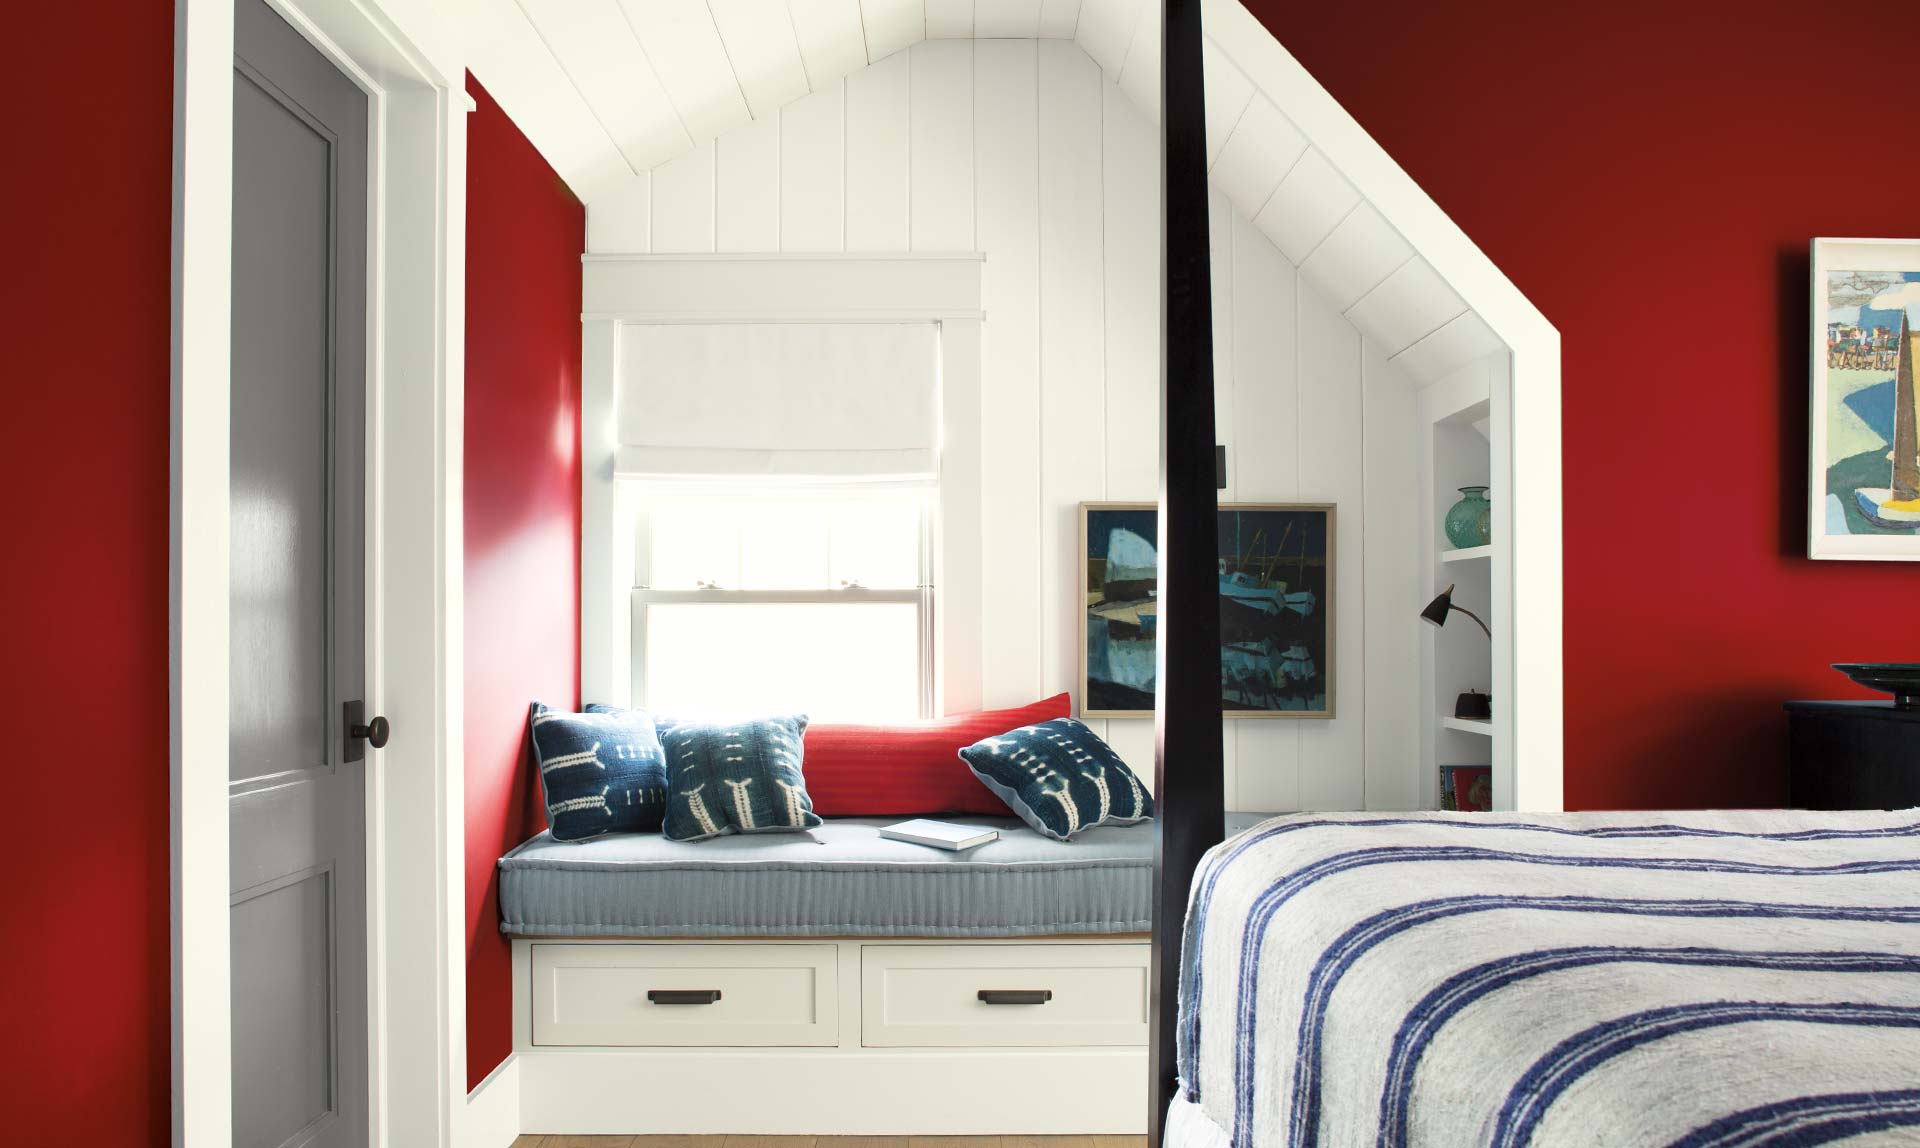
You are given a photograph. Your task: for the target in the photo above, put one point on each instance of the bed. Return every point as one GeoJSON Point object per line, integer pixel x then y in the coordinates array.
{"type": "Point", "coordinates": [1443, 980]}
{"type": "Point", "coordinates": [840, 880]}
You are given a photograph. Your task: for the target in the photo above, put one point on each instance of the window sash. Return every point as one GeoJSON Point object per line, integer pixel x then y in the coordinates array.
{"type": "Point", "coordinates": [921, 597]}
{"type": "Point", "coordinates": [645, 496]}
{"type": "Point", "coordinates": [643, 595]}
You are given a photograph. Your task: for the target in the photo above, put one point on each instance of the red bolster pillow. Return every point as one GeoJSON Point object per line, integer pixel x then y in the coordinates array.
{"type": "Point", "coordinates": [889, 770]}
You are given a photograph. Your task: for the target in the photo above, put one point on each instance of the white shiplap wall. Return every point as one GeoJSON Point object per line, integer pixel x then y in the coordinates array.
{"type": "Point", "coordinates": [1020, 149]}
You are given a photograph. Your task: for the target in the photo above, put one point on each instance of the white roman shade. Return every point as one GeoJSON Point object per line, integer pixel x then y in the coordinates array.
{"type": "Point", "coordinates": [800, 399]}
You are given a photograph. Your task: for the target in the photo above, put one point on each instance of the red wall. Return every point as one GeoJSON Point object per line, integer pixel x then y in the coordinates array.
{"type": "Point", "coordinates": [84, 297]}
{"type": "Point", "coordinates": [1650, 174]}
{"type": "Point", "coordinates": [525, 233]}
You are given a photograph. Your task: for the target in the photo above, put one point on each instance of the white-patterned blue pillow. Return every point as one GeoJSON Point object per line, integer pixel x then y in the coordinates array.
{"type": "Point", "coordinates": [601, 771]}
{"type": "Point", "coordinates": [736, 777]}
{"type": "Point", "coordinates": [1059, 777]}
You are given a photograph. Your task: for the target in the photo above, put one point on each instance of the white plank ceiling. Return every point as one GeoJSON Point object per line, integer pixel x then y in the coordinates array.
{"type": "Point", "coordinates": [609, 90]}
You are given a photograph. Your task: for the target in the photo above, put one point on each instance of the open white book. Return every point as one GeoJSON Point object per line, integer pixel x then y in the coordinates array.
{"type": "Point", "coordinates": [939, 834]}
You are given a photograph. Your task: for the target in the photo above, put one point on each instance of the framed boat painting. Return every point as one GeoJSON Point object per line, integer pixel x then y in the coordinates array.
{"type": "Point", "coordinates": [1276, 609]}
{"type": "Point", "coordinates": [1864, 480]}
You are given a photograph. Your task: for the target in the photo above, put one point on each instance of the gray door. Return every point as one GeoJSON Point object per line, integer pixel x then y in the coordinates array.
{"type": "Point", "coordinates": [298, 782]}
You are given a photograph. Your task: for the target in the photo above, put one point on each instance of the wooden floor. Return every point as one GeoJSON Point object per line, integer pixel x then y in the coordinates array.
{"type": "Point", "coordinates": [531, 1141]}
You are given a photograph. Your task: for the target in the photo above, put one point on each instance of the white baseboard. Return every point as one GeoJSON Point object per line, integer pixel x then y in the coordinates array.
{"type": "Point", "coordinates": [492, 1117]}
{"type": "Point", "coordinates": [832, 1092]}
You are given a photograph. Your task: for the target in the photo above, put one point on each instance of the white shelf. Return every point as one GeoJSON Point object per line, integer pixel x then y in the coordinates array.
{"type": "Point", "coordinates": [1481, 726]}
{"type": "Point", "coordinates": [1467, 554]}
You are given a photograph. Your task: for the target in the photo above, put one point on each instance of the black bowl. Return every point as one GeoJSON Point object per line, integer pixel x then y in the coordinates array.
{"type": "Point", "coordinates": [1901, 679]}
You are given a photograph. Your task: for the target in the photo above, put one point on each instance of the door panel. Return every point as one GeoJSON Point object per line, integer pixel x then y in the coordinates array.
{"type": "Point", "coordinates": [282, 968]}
{"type": "Point", "coordinates": [280, 720]}
{"type": "Point", "coordinates": [297, 804]}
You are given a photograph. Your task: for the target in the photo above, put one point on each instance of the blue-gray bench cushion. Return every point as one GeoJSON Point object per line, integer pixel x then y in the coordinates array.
{"type": "Point", "coordinates": [841, 880]}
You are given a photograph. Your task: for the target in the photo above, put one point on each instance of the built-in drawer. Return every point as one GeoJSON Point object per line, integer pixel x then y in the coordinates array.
{"type": "Point", "coordinates": [1003, 995]}
{"type": "Point", "coordinates": [685, 995]}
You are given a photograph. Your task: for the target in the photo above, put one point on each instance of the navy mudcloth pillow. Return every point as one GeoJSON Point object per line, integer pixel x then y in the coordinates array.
{"type": "Point", "coordinates": [602, 771]}
{"type": "Point", "coordinates": [1059, 777]}
{"type": "Point", "coordinates": [736, 777]}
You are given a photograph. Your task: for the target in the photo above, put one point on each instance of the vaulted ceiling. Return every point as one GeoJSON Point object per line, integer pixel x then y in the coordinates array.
{"type": "Point", "coordinates": [609, 89]}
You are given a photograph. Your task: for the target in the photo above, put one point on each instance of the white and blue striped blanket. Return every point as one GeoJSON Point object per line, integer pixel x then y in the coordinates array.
{"type": "Point", "coordinates": [1444, 980]}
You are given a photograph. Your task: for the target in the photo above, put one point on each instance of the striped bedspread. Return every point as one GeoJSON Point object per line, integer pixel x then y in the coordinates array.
{"type": "Point", "coordinates": [1444, 980]}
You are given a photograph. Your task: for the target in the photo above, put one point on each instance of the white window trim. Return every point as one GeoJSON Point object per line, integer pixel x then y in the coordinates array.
{"type": "Point", "coordinates": [940, 288]}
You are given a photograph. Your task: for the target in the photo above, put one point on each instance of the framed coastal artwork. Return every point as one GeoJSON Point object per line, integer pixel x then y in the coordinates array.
{"type": "Point", "coordinates": [1864, 480]}
{"type": "Point", "coordinates": [1276, 609]}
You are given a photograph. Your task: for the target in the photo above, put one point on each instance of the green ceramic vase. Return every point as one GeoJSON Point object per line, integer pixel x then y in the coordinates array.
{"type": "Point", "coordinates": [1470, 522]}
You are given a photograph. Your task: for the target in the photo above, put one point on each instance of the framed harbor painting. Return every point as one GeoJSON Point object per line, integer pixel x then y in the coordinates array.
{"type": "Point", "coordinates": [1276, 609]}
{"type": "Point", "coordinates": [1864, 480]}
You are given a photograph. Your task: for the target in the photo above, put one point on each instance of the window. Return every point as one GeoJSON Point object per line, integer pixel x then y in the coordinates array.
{"type": "Point", "coordinates": [811, 599]}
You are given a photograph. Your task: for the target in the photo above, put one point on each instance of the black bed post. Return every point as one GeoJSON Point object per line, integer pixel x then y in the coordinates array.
{"type": "Point", "coordinates": [1188, 786]}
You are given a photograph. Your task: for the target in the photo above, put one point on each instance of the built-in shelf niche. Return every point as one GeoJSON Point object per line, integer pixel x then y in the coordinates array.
{"type": "Point", "coordinates": [1458, 448]}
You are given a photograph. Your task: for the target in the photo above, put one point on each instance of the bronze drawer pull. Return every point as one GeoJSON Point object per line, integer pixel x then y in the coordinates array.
{"type": "Point", "coordinates": [683, 996]}
{"type": "Point", "coordinates": [1015, 996]}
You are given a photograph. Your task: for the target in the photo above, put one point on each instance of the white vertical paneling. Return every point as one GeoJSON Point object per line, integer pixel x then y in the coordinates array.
{"type": "Point", "coordinates": [1059, 19]}
{"type": "Point", "coordinates": [1140, 74]}
{"type": "Point", "coordinates": [1132, 739]}
{"type": "Point", "coordinates": [1072, 344]}
{"type": "Point", "coordinates": [746, 190]}
{"type": "Point", "coordinates": [941, 146]}
{"type": "Point", "coordinates": [1130, 173]}
{"type": "Point", "coordinates": [949, 19]}
{"type": "Point", "coordinates": [878, 127]}
{"type": "Point", "coordinates": [1106, 31]}
{"type": "Point", "coordinates": [619, 219]}
{"type": "Point", "coordinates": [1006, 178]}
{"type": "Point", "coordinates": [959, 604]}
{"type": "Point", "coordinates": [1265, 371]}
{"type": "Point", "coordinates": [682, 202]}
{"type": "Point", "coordinates": [684, 47]}
{"type": "Point", "coordinates": [832, 41]}
{"type": "Point", "coordinates": [1332, 469]}
{"type": "Point", "coordinates": [764, 52]}
{"type": "Point", "coordinates": [1392, 584]}
{"type": "Point", "coordinates": [891, 25]}
{"type": "Point", "coordinates": [1006, 19]}
{"type": "Point", "coordinates": [813, 212]}
{"type": "Point", "coordinates": [1265, 468]}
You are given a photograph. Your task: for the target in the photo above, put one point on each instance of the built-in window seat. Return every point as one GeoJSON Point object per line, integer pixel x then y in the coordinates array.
{"type": "Point", "coordinates": [840, 880]}
{"type": "Point", "coordinates": [862, 985]}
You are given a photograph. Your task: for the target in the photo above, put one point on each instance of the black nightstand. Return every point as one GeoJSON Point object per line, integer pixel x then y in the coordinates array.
{"type": "Point", "coordinates": [1853, 755]}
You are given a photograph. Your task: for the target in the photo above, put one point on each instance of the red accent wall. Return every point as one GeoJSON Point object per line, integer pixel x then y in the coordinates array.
{"type": "Point", "coordinates": [1650, 175]}
{"type": "Point", "coordinates": [84, 300]}
{"type": "Point", "coordinates": [525, 233]}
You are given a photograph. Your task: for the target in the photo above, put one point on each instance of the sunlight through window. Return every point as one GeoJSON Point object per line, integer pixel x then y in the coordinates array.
{"type": "Point", "coordinates": [815, 601]}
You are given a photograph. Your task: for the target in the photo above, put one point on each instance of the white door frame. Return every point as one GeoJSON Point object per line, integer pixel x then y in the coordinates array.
{"type": "Point", "coordinates": [416, 322]}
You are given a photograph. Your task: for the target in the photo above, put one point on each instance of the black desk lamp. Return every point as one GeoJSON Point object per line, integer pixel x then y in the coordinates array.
{"type": "Point", "coordinates": [1471, 704]}
{"type": "Point", "coordinates": [1438, 609]}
